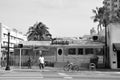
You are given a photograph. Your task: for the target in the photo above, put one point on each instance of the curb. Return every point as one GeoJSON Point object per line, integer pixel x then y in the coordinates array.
{"type": "Point", "coordinates": [2, 69]}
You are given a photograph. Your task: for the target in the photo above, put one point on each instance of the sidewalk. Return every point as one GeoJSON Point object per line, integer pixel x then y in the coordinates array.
{"type": "Point", "coordinates": [33, 69]}
{"type": "Point", "coordinates": [36, 69]}
{"type": "Point", "coordinates": [2, 69]}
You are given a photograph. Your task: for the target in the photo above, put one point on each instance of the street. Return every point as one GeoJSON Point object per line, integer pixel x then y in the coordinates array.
{"type": "Point", "coordinates": [58, 74]}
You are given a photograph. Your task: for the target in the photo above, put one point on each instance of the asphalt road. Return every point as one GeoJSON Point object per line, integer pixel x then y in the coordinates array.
{"type": "Point", "coordinates": [58, 75]}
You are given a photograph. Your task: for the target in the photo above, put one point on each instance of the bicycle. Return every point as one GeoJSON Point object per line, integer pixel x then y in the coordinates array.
{"type": "Point", "coordinates": [71, 67]}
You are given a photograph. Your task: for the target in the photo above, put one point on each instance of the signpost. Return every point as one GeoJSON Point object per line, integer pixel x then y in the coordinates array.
{"type": "Point", "coordinates": [7, 66]}
{"type": "Point", "coordinates": [20, 58]}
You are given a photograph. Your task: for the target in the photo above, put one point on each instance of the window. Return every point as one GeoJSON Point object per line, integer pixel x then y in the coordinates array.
{"type": "Point", "coordinates": [13, 38]}
{"type": "Point", "coordinates": [72, 51]}
{"type": "Point", "coordinates": [80, 51]}
{"type": "Point", "coordinates": [37, 53]}
{"type": "Point", "coordinates": [108, 9]}
{"type": "Point", "coordinates": [89, 51]}
{"type": "Point", "coordinates": [10, 37]}
{"type": "Point", "coordinates": [10, 44]}
{"type": "Point", "coordinates": [115, 5]}
{"type": "Point", "coordinates": [99, 51]}
{"type": "Point", "coordinates": [26, 52]}
{"type": "Point", "coordinates": [60, 51]}
{"type": "Point", "coordinates": [4, 34]}
{"type": "Point", "coordinates": [108, 4]}
{"type": "Point", "coordinates": [3, 43]}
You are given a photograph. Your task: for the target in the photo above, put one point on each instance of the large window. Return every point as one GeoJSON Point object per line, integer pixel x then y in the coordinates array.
{"type": "Point", "coordinates": [116, 5]}
{"type": "Point", "coordinates": [72, 51]}
{"type": "Point", "coordinates": [99, 51]}
{"type": "Point", "coordinates": [80, 51]}
{"type": "Point", "coordinates": [89, 51]}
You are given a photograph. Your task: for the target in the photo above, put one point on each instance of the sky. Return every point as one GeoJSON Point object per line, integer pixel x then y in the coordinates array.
{"type": "Point", "coordinates": [65, 18]}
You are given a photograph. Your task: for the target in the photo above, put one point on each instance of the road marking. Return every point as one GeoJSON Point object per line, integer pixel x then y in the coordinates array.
{"type": "Point", "coordinates": [18, 77]}
{"type": "Point", "coordinates": [29, 70]}
{"type": "Point", "coordinates": [68, 77]}
{"type": "Point", "coordinates": [65, 75]}
{"type": "Point", "coordinates": [117, 72]}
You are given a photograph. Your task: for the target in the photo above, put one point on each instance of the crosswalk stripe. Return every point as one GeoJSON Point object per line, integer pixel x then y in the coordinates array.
{"type": "Point", "coordinates": [68, 77]}
{"type": "Point", "coordinates": [20, 77]}
{"type": "Point", "coordinates": [65, 75]}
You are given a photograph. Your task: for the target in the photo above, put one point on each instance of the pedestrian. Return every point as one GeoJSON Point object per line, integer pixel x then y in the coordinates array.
{"type": "Point", "coordinates": [29, 63]}
{"type": "Point", "coordinates": [41, 62]}
{"type": "Point", "coordinates": [2, 62]}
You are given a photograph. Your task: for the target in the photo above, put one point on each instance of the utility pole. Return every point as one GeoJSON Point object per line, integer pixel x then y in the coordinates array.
{"type": "Point", "coordinates": [106, 52]}
{"type": "Point", "coordinates": [106, 21]}
{"type": "Point", "coordinates": [7, 66]}
{"type": "Point", "coordinates": [106, 46]}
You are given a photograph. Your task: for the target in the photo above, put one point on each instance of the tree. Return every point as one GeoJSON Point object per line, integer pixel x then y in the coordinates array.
{"type": "Point", "coordinates": [38, 32]}
{"type": "Point", "coordinates": [116, 16]}
{"type": "Point", "coordinates": [101, 16]}
{"type": "Point", "coordinates": [104, 16]}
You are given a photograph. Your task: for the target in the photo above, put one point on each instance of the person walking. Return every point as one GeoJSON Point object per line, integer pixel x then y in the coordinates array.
{"type": "Point", "coordinates": [41, 62]}
{"type": "Point", "coordinates": [29, 63]}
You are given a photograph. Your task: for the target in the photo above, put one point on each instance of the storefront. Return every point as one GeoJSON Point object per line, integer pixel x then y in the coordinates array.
{"type": "Point", "coordinates": [114, 45]}
{"type": "Point", "coordinates": [116, 49]}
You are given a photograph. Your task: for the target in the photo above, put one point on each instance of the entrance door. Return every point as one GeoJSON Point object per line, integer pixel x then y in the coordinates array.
{"type": "Point", "coordinates": [118, 59]}
{"type": "Point", "coordinates": [59, 54]}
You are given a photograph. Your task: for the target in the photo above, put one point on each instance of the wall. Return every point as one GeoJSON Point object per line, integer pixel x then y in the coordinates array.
{"type": "Point", "coordinates": [113, 37]}
{"type": "Point", "coordinates": [0, 39]}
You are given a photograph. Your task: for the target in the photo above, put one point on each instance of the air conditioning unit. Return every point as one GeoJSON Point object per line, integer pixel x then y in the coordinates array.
{"type": "Point", "coordinates": [20, 45]}
{"type": "Point", "coordinates": [95, 38]}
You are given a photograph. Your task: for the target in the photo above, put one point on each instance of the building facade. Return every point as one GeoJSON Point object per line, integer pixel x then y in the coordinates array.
{"type": "Point", "coordinates": [113, 32]}
{"type": "Point", "coordinates": [114, 45]}
{"type": "Point", "coordinates": [15, 38]}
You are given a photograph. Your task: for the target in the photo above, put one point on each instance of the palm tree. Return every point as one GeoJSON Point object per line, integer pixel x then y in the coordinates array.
{"type": "Point", "coordinates": [101, 16]}
{"type": "Point", "coordinates": [104, 16]}
{"type": "Point", "coordinates": [38, 32]}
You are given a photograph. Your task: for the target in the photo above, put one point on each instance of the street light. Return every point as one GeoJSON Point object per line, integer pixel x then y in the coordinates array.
{"type": "Point", "coordinates": [7, 66]}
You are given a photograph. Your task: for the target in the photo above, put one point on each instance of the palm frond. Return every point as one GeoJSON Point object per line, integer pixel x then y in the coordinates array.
{"type": "Point", "coordinates": [92, 17]}
{"type": "Point", "coordinates": [94, 11]}
{"type": "Point", "coordinates": [37, 31]}
{"type": "Point", "coordinates": [97, 9]}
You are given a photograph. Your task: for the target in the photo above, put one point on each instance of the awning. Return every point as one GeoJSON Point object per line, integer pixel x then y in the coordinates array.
{"type": "Point", "coordinates": [41, 48]}
{"type": "Point", "coordinates": [116, 46]}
